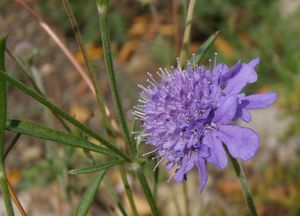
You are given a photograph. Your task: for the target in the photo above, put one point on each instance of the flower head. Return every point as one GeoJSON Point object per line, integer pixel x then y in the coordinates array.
{"type": "Point", "coordinates": [189, 114]}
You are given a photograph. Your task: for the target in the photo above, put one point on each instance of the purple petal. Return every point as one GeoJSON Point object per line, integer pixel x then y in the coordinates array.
{"type": "Point", "coordinates": [242, 143]}
{"type": "Point", "coordinates": [218, 155]}
{"type": "Point", "coordinates": [226, 112]}
{"type": "Point", "coordinates": [228, 74]}
{"type": "Point", "coordinates": [243, 114]}
{"type": "Point", "coordinates": [259, 100]}
{"type": "Point", "coordinates": [254, 62]}
{"type": "Point", "coordinates": [202, 172]}
{"type": "Point", "coordinates": [238, 82]}
{"type": "Point", "coordinates": [204, 151]}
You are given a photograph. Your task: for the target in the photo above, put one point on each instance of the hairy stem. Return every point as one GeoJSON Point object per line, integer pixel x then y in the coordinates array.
{"type": "Point", "coordinates": [3, 117]}
{"type": "Point", "coordinates": [102, 6]}
{"type": "Point", "coordinates": [102, 107]}
{"type": "Point", "coordinates": [145, 186]}
{"type": "Point", "coordinates": [244, 185]}
{"type": "Point", "coordinates": [128, 191]}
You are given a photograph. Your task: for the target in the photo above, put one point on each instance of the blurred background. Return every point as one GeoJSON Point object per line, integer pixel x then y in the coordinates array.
{"type": "Point", "coordinates": [146, 35]}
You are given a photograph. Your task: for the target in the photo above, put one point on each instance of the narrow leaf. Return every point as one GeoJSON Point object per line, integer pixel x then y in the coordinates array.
{"type": "Point", "coordinates": [45, 133]}
{"type": "Point", "coordinates": [55, 109]}
{"type": "Point", "coordinates": [3, 98]}
{"type": "Point", "coordinates": [204, 48]}
{"type": "Point", "coordinates": [3, 116]}
{"type": "Point", "coordinates": [89, 195]}
{"type": "Point", "coordinates": [11, 145]}
{"type": "Point", "coordinates": [95, 168]}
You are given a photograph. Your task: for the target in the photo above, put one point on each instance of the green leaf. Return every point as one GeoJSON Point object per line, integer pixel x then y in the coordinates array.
{"type": "Point", "coordinates": [11, 145]}
{"type": "Point", "coordinates": [55, 109]}
{"type": "Point", "coordinates": [94, 168]}
{"type": "Point", "coordinates": [204, 48]}
{"type": "Point", "coordinates": [45, 133]}
{"type": "Point", "coordinates": [89, 195]}
{"type": "Point", "coordinates": [3, 116]}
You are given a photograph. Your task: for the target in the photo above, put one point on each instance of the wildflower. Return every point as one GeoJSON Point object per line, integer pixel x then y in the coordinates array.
{"type": "Point", "coordinates": [189, 114]}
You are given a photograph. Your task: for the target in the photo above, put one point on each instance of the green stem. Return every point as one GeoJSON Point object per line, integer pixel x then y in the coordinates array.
{"type": "Point", "coordinates": [3, 116]}
{"type": "Point", "coordinates": [102, 6]}
{"type": "Point", "coordinates": [114, 197]}
{"type": "Point", "coordinates": [11, 145]}
{"type": "Point", "coordinates": [149, 196]}
{"type": "Point", "coordinates": [186, 199]}
{"type": "Point", "coordinates": [128, 191]}
{"type": "Point", "coordinates": [5, 192]}
{"type": "Point", "coordinates": [90, 67]}
{"type": "Point", "coordinates": [187, 32]}
{"type": "Point", "coordinates": [244, 185]}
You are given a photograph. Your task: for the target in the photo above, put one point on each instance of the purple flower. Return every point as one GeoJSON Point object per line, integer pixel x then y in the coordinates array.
{"type": "Point", "coordinates": [190, 114]}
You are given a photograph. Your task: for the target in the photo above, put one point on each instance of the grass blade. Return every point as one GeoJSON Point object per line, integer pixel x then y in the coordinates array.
{"type": "Point", "coordinates": [3, 116]}
{"type": "Point", "coordinates": [204, 48]}
{"type": "Point", "coordinates": [89, 195]}
{"type": "Point", "coordinates": [45, 133]}
{"type": "Point", "coordinates": [95, 168]}
{"type": "Point", "coordinates": [55, 109]}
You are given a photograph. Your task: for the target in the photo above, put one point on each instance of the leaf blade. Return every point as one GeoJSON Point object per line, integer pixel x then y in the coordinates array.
{"type": "Point", "coordinates": [55, 109]}
{"type": "Point", "coordinates": [42, 132]}
{"type": "Point", "coordinates": [95, 168]}
{"type": "Point", "coordinates": [89, 195]}
{"type": "Point", "coordinates": [204, 48]}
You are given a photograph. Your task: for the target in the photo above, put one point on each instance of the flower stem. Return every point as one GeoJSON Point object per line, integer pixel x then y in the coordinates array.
{"type": "Point", "coordinates": [187, 32]}
{"type": "Point", "coordinates": [128, 191]}
{"type": "Point", "coordinates": [102, 6]}
{"type": "Point", "coordinates": [149, 196]}
{"type": "Point", "coordinates": [3, 117]}
{"type": "Point", "coordinates": [186, 198]}
{"type": "Point", "coordinates": [244, 185]}
{"type": "Point", "coordinates": [91, 70]}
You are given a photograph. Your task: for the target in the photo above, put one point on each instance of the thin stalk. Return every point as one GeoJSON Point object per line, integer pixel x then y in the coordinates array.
{"type": "Point", "coordinates": [59, 43]}
{"type": "Point", "coordinates": [5, 192]}
{"type": "Point", "coordinates": [16, 200]}
{"type": "Point", "coordinates": [128, 190]}
{"type": "Point", "coordinates": [186, 199]}
{"type": "Point", "coordinates": [114, 197]}
{"type": "Point", "coordinates": [3, 117]}
{"type": "Point", "coordinates": [91, 70]}
{"type": "Point", "coordinates": [155, 185]}
{"type": "Point", "coordinates": [148, 194]}
{"type": "Point", "coordinates": [244, 185]}
{"type": "Point", "coordinates": [187, 32]}
{"type": "Point", "coordinates": [11, 145]}
{"type": "Point", "coordinates": [102, 6]}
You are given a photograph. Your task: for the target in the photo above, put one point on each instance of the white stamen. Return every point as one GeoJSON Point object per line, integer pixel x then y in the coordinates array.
{"type": "Point", "coordinates": [150, 152]}
{"type": "Point", "coordinates": [155, 167]}
{"type": "Point", "coordinates": [215, 60]}
{"type": "Point", "coordinates": [194, 60]}
{"type": "Point", "coordinates": [178, 64]}
{"type": "Point", "coordinates": [142, 101]}
{"type": "Point", "coordinates": [209, 65]}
